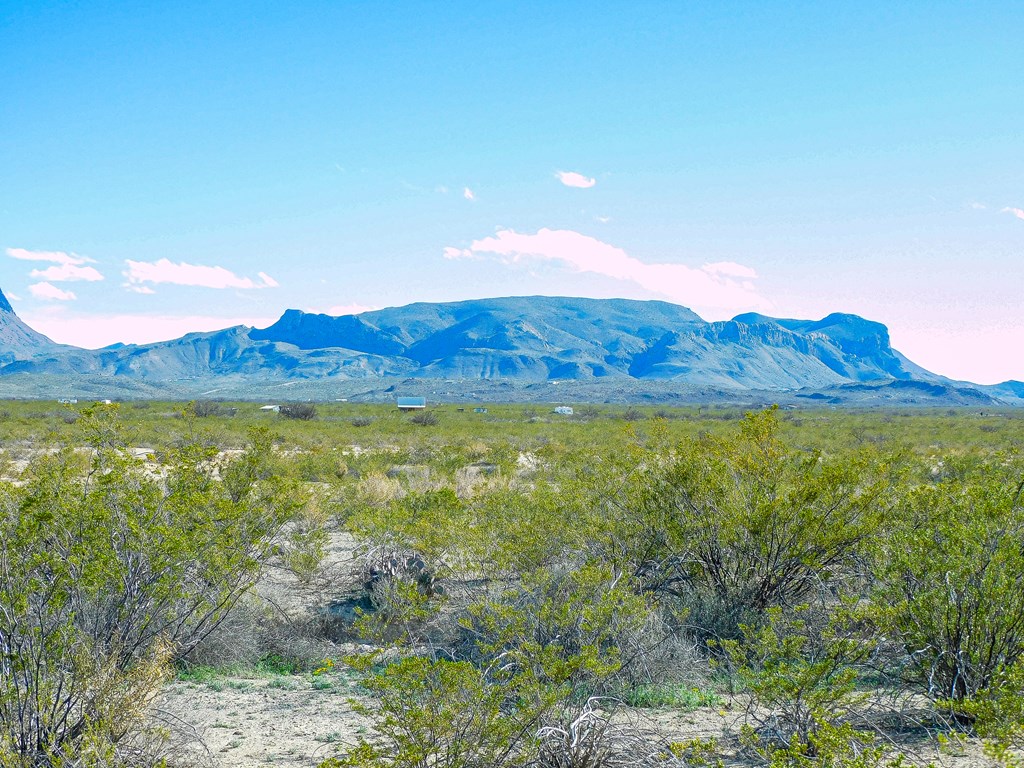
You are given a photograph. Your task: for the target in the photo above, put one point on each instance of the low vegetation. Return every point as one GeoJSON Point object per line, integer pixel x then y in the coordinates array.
{"type": "Point", "coordinates": [517, 589]}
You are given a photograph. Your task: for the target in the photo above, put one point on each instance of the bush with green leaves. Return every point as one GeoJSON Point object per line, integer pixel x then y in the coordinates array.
{"type": "Point", "coordinates": [529, 654]}
{"type": "Point", "coordinates": [734, 526]}
{"type": "Point", "coordinates": [572, 629]}
{"type": "Point", "coordinates": [950, 575]}
{"type": "Point", "coordinates": [996, 714]}
{"type": "Point", "coordinates": [441, 714]}
{"type": "Point", "coordinates": [109, 571]}
{"type": "Point", "coordinates": [802, 678]}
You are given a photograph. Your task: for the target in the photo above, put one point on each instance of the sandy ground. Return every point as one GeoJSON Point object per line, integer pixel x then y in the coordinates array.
{"type": "Point", "coordinates": [299, 720]}
{"type": "Point", "coordinates": [283, 721]}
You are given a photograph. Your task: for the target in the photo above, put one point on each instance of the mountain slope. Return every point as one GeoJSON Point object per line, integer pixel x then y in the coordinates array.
{"type": "Point", "coordinates": [525, 339]}
{"type": "Point", "coordinates": [17, 340]}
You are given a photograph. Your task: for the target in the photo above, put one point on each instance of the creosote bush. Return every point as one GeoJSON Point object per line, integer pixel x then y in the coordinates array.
{"type": "Point", "coordinates": [949, 578]}
{"type": "Point", "coordinates": [802, 680]}
{"type": "Point", "coordinates": [735, 526]}
{"type": "Point", "coordinates": [109, 573]}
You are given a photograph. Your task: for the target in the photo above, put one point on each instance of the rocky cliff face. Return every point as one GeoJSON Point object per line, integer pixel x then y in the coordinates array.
{"type": "Point", "coordinates": [530, 339]}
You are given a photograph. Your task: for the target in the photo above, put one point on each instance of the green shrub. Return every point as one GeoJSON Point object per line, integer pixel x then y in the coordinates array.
{"type": "Point", "coordinates": [441, 714]}
{"type": "Point", "coordinates": [949, 578]}
{"type": "Point", "coordinates": [801, 678]}
{"type": "Point", "coordinates": [568, 629]}
{"type": "Point", "coordinates": [736, 526]}
{"type": "Point", "coordinates": [106, 575]}
{"type": "Point", "coordinates": [306, 538]}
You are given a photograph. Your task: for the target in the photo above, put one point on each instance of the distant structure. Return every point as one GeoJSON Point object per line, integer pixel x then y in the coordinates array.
{"type": "Point", "coordinates": [479, 410]}
{"type": "Point", "coordinates": [270, 408]}
{"type": "Point", "coordinates": [411, 403]}
{"type": "Point", "coordinates": [68, 400]}
{"type": "Point", "coordinates": [564, 410]}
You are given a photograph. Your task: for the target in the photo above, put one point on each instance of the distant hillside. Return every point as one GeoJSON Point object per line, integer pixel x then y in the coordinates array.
{"type": "Point", "coordinates": [17, 340]}
{"type": "Point", "coordinates": [522, 340]}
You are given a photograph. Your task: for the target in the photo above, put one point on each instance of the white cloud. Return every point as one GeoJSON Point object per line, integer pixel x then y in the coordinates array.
{"type": "Point", "coordinates": [94, 331]}
{"type": "Point", "coordinates": [1018, 212]}
{"type": "Point", "coordinates": [573, 179]}
{"type": "Point", "coordinates": [603, 219]}
{"type": "Point", "coordinates": [978, 206]}
{"type": "Point", "coordinates": [468, 193]}
{"type": "Point", "coordinates": [457, 253]}
{"type": "Point", "coordinates": [57, 257]}
{"type": "Point", "coordinates": [49, 292]}
{"type": "Point", "coordinates": [165, 271]}
{"type": "Point", "coordinates": [66, 273]}
{"type": "Point", "coordinates": [714, 288]}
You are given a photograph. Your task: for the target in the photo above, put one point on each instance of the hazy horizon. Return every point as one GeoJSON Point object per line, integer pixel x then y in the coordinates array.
{"type": "Point", "coordinates": [189, 168]}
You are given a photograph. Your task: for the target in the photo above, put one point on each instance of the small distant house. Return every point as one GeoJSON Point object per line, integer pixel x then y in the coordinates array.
{"type": "Point", "coordinates": [479, 410]}
{"type": "Point", "coordinates": [563, 410]}
{"type": "Point", "coordinates": [270, 408]}
{"type": "Point", "coordinates": [68, 400]}
{"type": "Point", "coordinates": [411, 403]}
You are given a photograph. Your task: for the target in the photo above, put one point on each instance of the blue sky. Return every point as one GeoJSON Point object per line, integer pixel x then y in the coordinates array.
{"type": "Point", "coordinates": [191, 166]}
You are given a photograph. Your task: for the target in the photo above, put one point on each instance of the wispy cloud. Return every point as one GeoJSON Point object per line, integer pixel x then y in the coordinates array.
{"type": "Point", "coordinates": [141, 274]}
{"type": "Point", "coordinates": [720, 286]}
{"type": "Point", "coordinates": [1018, 212]}
{"type": "Point", "coordinates": [67, 267]}
{"type": "Point", "coordinates": [49, 292]}
{"type": "Point", "coordinates": [573, 179]}
{"type": "Point", "coordinates": [63, 273]}
{"type": "Point", "coordinates": [978, 206]}
{"type": "Point", "coordinates": [57, 257]}
{"type": "Point", "coordinates": [452, 253]}
{"type": "Point", "coordinates": [66, 326]}
{"type": "Point", "coordinates": [468, 193]}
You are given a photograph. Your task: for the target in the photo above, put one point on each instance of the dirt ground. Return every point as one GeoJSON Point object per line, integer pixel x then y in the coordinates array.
{"type": "Point", "coordinates": [297, 720]}
{"type": "Point", "coordinates": [300, 720]}
{"type": "Point", "coordinates": [283, 721]}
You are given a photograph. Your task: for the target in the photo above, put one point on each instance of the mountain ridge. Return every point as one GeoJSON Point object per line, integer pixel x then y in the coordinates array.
{"type": "Point", "coordinates": [536, 339]}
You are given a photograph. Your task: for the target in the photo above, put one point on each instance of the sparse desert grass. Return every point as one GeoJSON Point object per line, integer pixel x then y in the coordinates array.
{"type": "Point", "coordinates": [675, 696]}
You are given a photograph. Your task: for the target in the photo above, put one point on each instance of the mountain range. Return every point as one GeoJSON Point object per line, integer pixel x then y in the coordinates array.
{"type": "Point", "coordinates": [523, 347]}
